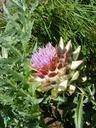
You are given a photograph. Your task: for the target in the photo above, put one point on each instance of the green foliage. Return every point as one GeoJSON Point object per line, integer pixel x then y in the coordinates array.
{"type": "Point", "coordinates": [16, 91]}
{"type": "Point", "coordinates": [79, 113]}
{"type": "Point", "coordinates": [26, 25]}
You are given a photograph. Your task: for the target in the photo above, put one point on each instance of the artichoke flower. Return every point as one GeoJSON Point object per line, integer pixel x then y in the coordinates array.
{"type": "Point", "coordinates": [56, 67]}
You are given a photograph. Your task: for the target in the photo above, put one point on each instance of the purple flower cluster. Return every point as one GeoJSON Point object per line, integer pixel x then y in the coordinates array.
{"type": "Point", "coordinates": [43, 56]}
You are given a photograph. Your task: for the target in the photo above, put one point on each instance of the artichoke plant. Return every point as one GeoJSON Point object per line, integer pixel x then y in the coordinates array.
{"type": "Point", "coordinates": [56, 67]}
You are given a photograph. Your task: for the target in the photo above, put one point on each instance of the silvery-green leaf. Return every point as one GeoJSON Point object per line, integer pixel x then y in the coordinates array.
{"type": "Point", "coordinates": [76, 53]}
{"type": "Point", "coordinates": [75, 64]}
{"type": "Point", "coordinates": [78, 116]}
{"type": "Point", "coordinates": [4, 52]}
{"type": "Point", "coordinates": [75, 76]}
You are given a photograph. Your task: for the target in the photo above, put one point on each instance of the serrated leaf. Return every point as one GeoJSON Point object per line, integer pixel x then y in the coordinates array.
{"type": "Point", "coordinates": [34, 5]}
{"type": "Point", "coordinates": [5, 99]}
{"type": "Point", "coordinates": [4, 52]}
{"type": "Point", "coordinates": [6, 10]}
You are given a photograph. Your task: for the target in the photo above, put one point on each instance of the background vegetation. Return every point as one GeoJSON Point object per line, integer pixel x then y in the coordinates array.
{"type": "Point", "coordinates": [24, 26]}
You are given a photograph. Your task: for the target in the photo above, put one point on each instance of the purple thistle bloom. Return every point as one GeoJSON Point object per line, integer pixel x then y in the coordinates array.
{"type": "Point", "coordinates": [55, 65]}
{"type": "Point", "coordinates": [43, 56]}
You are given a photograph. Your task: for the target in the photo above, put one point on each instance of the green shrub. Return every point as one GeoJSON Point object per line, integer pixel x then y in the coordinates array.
{"type": "Point", "coordinates": [26, 25]}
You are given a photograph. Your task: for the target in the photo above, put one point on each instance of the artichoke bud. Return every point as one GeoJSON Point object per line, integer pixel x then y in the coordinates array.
{"type": "Point", "coordinates": [56, 67]}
